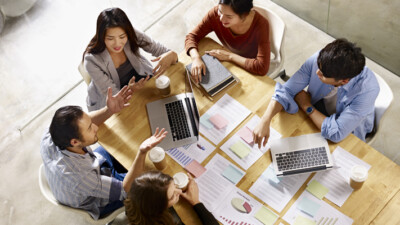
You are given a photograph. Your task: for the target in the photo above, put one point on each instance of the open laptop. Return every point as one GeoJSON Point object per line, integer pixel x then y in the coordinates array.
{"type": "Point", "coordinates": [302, 154]}
{"type": "Point", "coordinates": [178, 115]}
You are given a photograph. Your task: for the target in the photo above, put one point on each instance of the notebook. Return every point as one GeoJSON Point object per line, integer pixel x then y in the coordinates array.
{"type": "Point", "coordinates": [178, 115]}
{"type": "Point", "coordinates": [217, 77]}
{"type": "Point", "coordinates": [302, 154]}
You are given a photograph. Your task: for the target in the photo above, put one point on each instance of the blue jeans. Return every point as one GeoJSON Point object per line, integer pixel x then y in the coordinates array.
{"type": "Point", "coordinates": [117, 171]}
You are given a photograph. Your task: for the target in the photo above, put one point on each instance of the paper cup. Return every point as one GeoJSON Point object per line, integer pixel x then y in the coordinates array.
{"type": "Point", "coordinates": [157, 156]}
{"type": "Point", "coordinates": [358, 176]}
{"type": "Point", "coordinates": [163, 85]}
{"type": "Point", "coordinates": [181, 180]}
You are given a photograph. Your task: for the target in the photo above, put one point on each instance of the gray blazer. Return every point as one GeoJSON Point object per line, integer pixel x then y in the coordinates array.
{"type": "Point", "coordinates": [104, 74]}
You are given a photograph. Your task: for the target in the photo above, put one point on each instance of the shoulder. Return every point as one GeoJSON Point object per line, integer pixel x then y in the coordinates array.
{"type": "Point", "coordinates": [47, 145]}
{"type": "Point", "coordinates": [260, 20]}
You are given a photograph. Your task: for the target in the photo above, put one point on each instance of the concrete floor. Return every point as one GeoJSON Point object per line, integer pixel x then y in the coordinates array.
{"type": "Point", "coordinates": [40, 52]}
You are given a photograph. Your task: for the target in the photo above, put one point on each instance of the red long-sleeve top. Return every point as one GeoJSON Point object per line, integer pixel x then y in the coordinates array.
{"type": "Point", "coordinates": [253, 45]}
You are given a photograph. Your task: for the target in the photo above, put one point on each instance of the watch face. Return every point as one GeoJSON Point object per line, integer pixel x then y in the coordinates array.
{"type": "Point", "coordinates": [310, 110]}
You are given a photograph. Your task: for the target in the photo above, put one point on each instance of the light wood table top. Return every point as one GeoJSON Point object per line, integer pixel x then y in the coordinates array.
{"type": "Point", "coordinates": [122, 134]}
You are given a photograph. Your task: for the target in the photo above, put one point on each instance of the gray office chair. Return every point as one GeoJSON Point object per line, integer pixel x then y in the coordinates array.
{"type": "Point", "coordinates": [48, 194]}
{"type": "Point", "coordinates": [382, 103]}
{"type": "Point", "coordinates": [276, 37]}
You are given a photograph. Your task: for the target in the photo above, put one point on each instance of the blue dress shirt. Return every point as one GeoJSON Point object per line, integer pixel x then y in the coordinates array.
{"type": "Point", "coordinates": [354, 106]}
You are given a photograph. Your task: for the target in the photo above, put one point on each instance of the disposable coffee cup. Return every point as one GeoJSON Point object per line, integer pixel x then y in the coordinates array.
{"type": "Point", "coordinates": [163, 85]}
{"type": "Point", "coordinates": [157, 156]}
{"type": "Point", "coordinates": [358, 176]}
{"type": "Point", "coordinates": [181, 180]}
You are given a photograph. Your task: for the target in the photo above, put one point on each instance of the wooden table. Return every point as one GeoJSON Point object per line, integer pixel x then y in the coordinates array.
{"type": "Point", "coordinates": [122, 134]}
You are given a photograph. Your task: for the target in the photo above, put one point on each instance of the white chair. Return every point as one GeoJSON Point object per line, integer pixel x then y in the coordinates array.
{"type": "Point", "coordinates": [84, 73]}
{"type": "Point", "coordinates": [276, 37]}
{"type": "Point", "coordinates": [46, 191]}
{"type": "Point", "coordinates": [382, 103]}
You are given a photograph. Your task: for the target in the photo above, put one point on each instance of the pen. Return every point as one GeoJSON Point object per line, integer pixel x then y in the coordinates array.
{"type": "Point", "coordinates": [200, 147]}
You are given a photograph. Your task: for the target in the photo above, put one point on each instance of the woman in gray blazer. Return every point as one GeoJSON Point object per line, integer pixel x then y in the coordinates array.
{"type": "Point", "coordinates": [112, 57]}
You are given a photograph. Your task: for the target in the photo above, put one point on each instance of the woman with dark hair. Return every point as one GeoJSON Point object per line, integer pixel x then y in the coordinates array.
{"type": "Point", "coordinates": [152, 196]}
{"type": "Point", "coordinates": [112, 57]}
{"type": "Point", "coordinates": [241, 29]}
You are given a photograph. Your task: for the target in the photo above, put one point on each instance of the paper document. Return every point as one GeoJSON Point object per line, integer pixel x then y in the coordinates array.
{"type": "Point", "coordinates": [337, 180]}
{"type": "Point", "coordinates": [312, 208]}
{"type": "Point", "coordinates": [277, 192]}
{"type": "Point", "coordinates": [198, 151]}
{"type": "Point", "coordinates": [242, 137]}
{"type": "Point", "coordinates": [213, 185]}
{"type": "Point", "coordinates": [239, 208]}
{"type": "Point", "coordinates": [232, 112]}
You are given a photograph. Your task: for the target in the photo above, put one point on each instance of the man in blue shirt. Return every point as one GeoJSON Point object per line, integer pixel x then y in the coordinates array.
{"type": "Point", "coordinates": [340, 97]}
{"type": "Point", "coordinates": [86, 179]}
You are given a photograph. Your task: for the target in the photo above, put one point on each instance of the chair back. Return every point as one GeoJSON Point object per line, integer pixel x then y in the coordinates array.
{"type": "Point", "coordinates": [84, 73]}
{"type": "Point", "coordinates": [276, 31]}
{"type": "Point", "coordinates": [44, 186]}
{"type": "Point", "coordinates": [384, 99]}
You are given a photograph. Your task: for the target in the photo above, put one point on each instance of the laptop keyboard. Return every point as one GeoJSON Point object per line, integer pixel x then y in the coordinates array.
{"type": "Point", "coordinates": [301, 159]}
{"type": "Point", "coordinates": [177, 120]}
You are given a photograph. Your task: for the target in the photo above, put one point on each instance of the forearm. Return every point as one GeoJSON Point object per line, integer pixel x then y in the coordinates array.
{"type": "Point", "coordinates": [237, 59]}
{"type": "Point", "coordinates": [136, 169]}
{"type": "Point", "coordinates": [194, 53]}
{"type": "Point", "coordinates": [274, 107]}
{"type": "Point", "coordinates": [316, 116]}
{"type": "Point", "coordinates": [99, 116]}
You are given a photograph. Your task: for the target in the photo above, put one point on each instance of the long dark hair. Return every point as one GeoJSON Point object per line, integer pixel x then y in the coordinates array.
{"type": "Point", "coordinates": [147, 202]}
{"type": "Point", "coordinates": [110, 18]}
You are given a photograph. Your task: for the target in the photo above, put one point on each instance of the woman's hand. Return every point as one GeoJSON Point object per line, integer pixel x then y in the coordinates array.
{"type": "Point", "coordinates": [198, 69]}
{"type": "Point", "coordinates": [152, 141]}
{"type": "Point", "coordinates": [221, 55]}
{"type": "Point", "coordinates": [134, 86]}
{"type": "Point", "coordinates": [192, 192]}
{"type": "Point", "coordinates": [164, 62]}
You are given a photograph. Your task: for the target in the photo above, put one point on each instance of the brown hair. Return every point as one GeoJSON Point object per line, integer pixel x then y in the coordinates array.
{"type": "Point", "coordinates": [147, 202]}
{"type": "Point", "coordinates": [110, 18]}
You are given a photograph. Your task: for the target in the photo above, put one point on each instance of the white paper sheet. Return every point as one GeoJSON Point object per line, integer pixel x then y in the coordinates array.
{"type": "Point", "coordinates": [325, 210]}
{"type": "Point", "coordinates": [213, 187]}
{"type": "Point", "coordinates": [277, 194]}
{"type": "Point", "coordinates": [231, 110]}
{"type": "Point", "coordinates": [227, 214]}
{"type": "Point", "coordinates": [338, 180]}
{"type": "Point", "coordinates": [198, 151]}
{"type": "Point", "coordinates": [255, 153]}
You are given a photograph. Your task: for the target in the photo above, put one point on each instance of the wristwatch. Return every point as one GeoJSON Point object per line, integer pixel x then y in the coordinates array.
{"type": "Point", "coordinates": [309, 110]}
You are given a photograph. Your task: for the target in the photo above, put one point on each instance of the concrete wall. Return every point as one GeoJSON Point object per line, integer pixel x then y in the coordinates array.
{"type": "Point", "coordinates": [373, 25]}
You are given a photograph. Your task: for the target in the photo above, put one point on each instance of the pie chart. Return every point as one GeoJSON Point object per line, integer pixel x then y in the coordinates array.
{"type": "Point", "coordinates": [241, 205]}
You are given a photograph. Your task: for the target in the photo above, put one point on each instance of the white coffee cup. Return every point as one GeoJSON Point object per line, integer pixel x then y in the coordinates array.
{"type": "Point", "coordinates": [157, 156]}
{"type": "Point", "coordinates": [358, 176]}
{"type": "Point", "coordinates": [181, 180]}
{"type": "Point", "coordinates": [163, 85]}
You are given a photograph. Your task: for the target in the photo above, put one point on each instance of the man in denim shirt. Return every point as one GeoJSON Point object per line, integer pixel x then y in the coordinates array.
{"type": "Point", "coordinates": [340, 97]}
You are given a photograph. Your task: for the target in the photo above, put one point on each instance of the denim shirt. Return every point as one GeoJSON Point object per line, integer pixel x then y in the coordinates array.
{"type": "Point", "coordinates": [354, 106]}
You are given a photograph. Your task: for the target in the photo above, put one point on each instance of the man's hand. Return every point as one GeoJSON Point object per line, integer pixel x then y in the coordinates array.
{"type": "Point", "coordinates": [221, 55]}
{"type": "Point", "coordinates": [152, 141]}
{"type": "Point", "coordinates": [164, 62]}
{"type": "Point", "coordinates": [134, 86]}
{"type": "Point", "coordinates": [192, 192]}
{"type": "Point", "coordinates": [261, 131]}
{"type": "Point", "coordinates": [303, 99]}
{"type": "Point", "coordinates": [119, 101]}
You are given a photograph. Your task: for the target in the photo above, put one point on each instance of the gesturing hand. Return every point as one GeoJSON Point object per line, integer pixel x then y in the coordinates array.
{"type": "Point", "coordinates": [164, 62]}
{"type": "Point", "coordinates": [152, 141]}
{"type": "Point", "coordinates": [119, 101]}
{"type": "Point", "coordinates": [134, 86]}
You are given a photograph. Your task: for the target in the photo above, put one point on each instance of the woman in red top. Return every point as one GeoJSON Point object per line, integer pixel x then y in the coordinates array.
{"type": "Point", "coordinates": [242, 30]}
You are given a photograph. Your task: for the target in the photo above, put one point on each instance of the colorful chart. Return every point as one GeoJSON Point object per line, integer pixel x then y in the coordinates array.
{"type": "Point", "coordinates": [241, 205]}
{"type": "Point", "coordinates": [232, 222]}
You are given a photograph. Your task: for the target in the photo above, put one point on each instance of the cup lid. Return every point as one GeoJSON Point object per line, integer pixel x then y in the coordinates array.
{"type": "Point", "coordinates": [181, 179]}
{"type": "Point", "coordinates": [162, 81]}
{"type": "Point", "coordinates": [156, 154]}
{"type": "Point", "coordinates": [359, 173]}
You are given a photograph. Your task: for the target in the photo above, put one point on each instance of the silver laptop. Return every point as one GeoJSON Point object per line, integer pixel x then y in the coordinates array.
{"type": "Point", "coordinates": [178, 115]}
{"type": "Point", "coordinates": [302, 154]}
